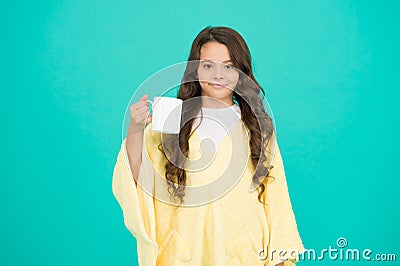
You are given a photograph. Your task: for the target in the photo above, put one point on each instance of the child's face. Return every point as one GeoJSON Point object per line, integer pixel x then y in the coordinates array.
{"type": "Point", "coordinates": [216, 74]}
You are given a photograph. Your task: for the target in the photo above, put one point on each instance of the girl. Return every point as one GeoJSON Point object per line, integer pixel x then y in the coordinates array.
{"type": "Point", "coordinates": [235, 226]}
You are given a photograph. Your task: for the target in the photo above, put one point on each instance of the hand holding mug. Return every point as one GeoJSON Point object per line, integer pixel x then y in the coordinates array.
{"type": "Point", "coordinates": [139, 115]}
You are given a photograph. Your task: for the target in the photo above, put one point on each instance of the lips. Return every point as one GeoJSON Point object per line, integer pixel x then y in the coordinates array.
{"type": "Point", "coordinates": [217, 85]}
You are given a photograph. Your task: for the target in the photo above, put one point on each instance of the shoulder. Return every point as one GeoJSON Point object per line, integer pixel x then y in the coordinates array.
{"type": "Point", "coordinates": [236, 108]}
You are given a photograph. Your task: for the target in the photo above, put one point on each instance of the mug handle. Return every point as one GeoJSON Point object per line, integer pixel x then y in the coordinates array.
{"type": "Point", "coordinates": [151, 102]}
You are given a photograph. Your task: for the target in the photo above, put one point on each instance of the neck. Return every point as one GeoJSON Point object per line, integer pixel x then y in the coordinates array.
{"type": "Point", "coordinates": [216, 103]}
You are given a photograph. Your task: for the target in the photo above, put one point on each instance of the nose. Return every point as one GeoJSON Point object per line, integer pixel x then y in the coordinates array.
{"type": "Point", "coordinates": [218, 72]}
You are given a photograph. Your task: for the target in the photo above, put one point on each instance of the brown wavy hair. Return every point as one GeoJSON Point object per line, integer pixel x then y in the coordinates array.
{"type": "Point", "coordinates": [246, 94]}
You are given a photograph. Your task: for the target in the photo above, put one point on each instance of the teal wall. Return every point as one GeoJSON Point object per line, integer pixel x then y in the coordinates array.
{"type": "Point", "coordinates": [69, 68]}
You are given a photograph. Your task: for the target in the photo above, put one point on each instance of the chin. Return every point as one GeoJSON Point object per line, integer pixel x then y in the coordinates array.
{"type": "Point", "coordinates": [219, 93]}
{"type": "Point", "coordinates": [219, 96]}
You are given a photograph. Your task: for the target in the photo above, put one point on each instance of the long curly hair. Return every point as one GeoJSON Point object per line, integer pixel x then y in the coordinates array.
{"type": "Point", "coordinates": [246, 94]}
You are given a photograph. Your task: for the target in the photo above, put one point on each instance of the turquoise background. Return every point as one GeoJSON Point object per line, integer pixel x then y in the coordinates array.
{"type": "Point", "coordinates": [69, 68]}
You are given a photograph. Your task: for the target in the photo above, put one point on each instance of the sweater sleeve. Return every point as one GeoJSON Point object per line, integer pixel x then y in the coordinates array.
{"type": "Point", "coordinates": [283, 232]}
{"type": "Point", "coordinates": [136, 204]}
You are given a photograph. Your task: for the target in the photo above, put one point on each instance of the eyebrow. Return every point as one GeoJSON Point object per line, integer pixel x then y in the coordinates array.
{"type": "Point", "coordinates": [207, 60]}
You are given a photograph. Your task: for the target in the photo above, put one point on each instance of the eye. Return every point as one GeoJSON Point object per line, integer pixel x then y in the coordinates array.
{"type": "Point", "coordinates": [207, 66]}
{"type": "Point", "coordinates": [228, 67]}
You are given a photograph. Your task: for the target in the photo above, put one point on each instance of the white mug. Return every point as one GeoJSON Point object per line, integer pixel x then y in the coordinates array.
{"type": "Point", "coordinates": [166, 117]}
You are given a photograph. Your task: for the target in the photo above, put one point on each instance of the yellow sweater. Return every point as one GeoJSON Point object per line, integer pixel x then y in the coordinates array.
{"type": "Point", "coordinates": [232, 230]}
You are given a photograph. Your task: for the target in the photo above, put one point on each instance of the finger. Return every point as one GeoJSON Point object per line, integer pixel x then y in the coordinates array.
{"type": "Point", "coordinates": [140, 118]}
{"type": "Point", "coordinates": [144, 98]}
{"type": "Point", "coordinates": [138, 106]}
{"type": "Point", "coordinates": [139, 109]}
{"type": "Point", "coordinates": [143, 111]}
